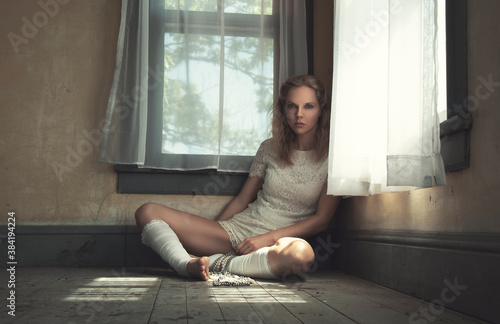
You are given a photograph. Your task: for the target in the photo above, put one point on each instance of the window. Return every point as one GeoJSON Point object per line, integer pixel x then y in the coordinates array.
{"type": "Point", "coordinates": [209, 110]}
{"type": "Point", "coordinates": [218, 86]}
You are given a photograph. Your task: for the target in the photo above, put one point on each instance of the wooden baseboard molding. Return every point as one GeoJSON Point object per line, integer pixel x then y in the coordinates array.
{"type": "Point", "coordinates": [79, 246]}
{"type": "Point", "coordinates": [458, 270]}
{"type": "Point", "coordinates": [105, 246]}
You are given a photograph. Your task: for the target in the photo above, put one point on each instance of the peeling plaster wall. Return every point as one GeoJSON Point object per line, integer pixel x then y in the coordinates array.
{"type": "Point", "coordinates": [56, 68]}
{"type": "Point", "coordinates": [470, 202]}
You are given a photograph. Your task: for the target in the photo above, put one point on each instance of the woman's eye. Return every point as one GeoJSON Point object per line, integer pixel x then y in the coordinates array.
{"type": "Point", "coordinates": [291, 106]}
{"type": "Point", "coordinates": [309, 106]}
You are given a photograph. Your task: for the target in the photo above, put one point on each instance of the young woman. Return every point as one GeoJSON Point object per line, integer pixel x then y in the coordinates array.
{"type": "Point", "coordinates": [282, 202]}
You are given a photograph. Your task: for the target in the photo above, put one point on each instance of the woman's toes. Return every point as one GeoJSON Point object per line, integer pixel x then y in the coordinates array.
{"type": "Point", "coordinates": [198, 268]}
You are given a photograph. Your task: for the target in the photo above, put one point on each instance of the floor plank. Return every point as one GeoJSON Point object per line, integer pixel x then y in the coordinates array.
{"type": "Point", "coordinates": [170, 304]}
{"type": "Point", "coordinates": [310, 309]}
{"type": "Point", "coordinates": [148, 295]}
{"type": "Point", "coordinates": [265, 307]}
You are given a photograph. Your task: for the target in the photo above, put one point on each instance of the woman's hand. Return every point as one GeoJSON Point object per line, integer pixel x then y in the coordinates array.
{"type": "Point", "coordinates": [252, 244]}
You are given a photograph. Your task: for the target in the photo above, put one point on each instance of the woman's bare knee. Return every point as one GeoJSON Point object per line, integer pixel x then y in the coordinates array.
{"type": "Point", "coordinates": [291, 257]}
{"type": "Point", "coordinates": [300, 252]}
{"type": "Point", "coordinates": [145, 214]}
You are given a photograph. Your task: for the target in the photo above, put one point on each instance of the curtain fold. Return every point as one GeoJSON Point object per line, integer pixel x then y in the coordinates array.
{"type": "Point", "coordinates": [293, 42]}
{"type": "Point", "coordinates": [384, 126]}
{"type": "Point", "coordinates": [124, 132]}
{"type": "Point", "coordinates": [127, 132]}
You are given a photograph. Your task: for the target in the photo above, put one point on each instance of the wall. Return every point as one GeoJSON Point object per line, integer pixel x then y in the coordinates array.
{"type": "Point", "coordinates": [57, 63]}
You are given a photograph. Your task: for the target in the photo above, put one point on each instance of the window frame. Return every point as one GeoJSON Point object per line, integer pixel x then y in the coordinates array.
{"type": "Point", "coordinates": [173, 21]}
{"type": "Point", "coordinates": [455, 131]}
{"type": "Point", "coordinates": [133, 179]}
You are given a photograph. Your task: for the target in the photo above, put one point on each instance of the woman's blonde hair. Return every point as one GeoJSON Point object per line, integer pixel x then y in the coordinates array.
{"type": "Point", "coordinates": [283, 136]}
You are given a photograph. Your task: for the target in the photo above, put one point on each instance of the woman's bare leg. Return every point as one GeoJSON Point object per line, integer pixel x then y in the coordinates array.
{"type": "Point", "coordinates": [288, 258]}
{"type": "Point", "coordinates": [291, 257]}
{"type": "Point", "coordinates": [199, 236]}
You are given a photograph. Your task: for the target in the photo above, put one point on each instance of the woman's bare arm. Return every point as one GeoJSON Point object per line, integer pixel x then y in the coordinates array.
{"type": "Point", "coordinates": [314, 224]}
{"type": "Point", "coordinates": [247, 195]}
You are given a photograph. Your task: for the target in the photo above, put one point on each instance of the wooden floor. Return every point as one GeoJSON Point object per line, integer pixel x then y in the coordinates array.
{"type": "Point", "coordinates": [132, 295]}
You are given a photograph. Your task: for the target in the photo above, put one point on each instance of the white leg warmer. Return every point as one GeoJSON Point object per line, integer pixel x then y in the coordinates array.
{"type": "Point", "coordinates": [255, 265]}
{"type": "Point", "coordinates": [214, 257]}
{"type": "Point", "coordinates": [163, 240]}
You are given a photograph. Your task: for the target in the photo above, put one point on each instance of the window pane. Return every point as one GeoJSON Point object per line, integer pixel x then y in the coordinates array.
{"type": "Point", "coordinates": [248, 94]}
{"type": "Point", "coordinates": [191, 94]}
{"type": "Point", "coordinates": [255, 7]}
{"type": "Point", "coordinates": [192, 101]}
{"type": "Point", "coordinates": [192, 5]}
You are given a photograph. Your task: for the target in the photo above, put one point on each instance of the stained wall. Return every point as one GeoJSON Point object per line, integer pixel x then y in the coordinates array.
{"type": "Point", "coordinates": [56, 67]}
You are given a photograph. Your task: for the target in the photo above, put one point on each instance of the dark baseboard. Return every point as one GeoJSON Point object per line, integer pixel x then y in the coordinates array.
{"type": "Point", "coordinates": [79, 246]}
{"type": "Point", "coordinates": [102, 246]}
{"type": "Point", "coordinates": [458, 270]}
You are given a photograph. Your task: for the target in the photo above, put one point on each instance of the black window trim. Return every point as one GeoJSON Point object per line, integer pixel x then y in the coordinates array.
{"type": "Point", "coordinates": [455, 131]}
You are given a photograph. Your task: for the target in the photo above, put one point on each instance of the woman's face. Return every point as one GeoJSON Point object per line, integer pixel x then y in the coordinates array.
{"type": "Point", "coordinates": [302, 111]}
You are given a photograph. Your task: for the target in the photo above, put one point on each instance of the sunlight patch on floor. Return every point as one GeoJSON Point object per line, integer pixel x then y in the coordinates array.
{"type": "Point", "coordinates": [257, 295]}
{"type": "Point", "coordinates": [113, 289]}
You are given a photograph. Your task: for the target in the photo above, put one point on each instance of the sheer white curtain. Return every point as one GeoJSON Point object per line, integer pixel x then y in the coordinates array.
{"type": "Point", "coordinates": [385, 128]}
{"type": "Point", "coordinates": [216, 81]}
{"type": "Point", "coordinates": [124, 133]}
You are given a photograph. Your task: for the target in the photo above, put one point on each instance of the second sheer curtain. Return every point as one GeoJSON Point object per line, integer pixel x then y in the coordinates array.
{"type": "Point", "coordinates": [385, 127]}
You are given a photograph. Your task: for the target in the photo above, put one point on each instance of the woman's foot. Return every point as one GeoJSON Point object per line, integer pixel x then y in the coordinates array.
{"type": "Point", "coordinates": [198, 268]}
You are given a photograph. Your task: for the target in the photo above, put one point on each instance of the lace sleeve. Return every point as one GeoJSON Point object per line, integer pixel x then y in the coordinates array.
{"type": "Point", "coordinates": [258, 168]}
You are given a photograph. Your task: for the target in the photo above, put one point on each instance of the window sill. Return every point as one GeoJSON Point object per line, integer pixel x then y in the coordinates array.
{"type": "Point", "coordinates": [134, 180]}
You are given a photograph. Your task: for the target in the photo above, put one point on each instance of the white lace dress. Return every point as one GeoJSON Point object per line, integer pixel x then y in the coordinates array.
{"type": "Point", "coordinates": [289, 194]}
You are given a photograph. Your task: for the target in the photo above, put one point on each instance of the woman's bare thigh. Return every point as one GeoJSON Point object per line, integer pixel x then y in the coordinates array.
{"type": "Point", "coordinates": [198, 235]}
